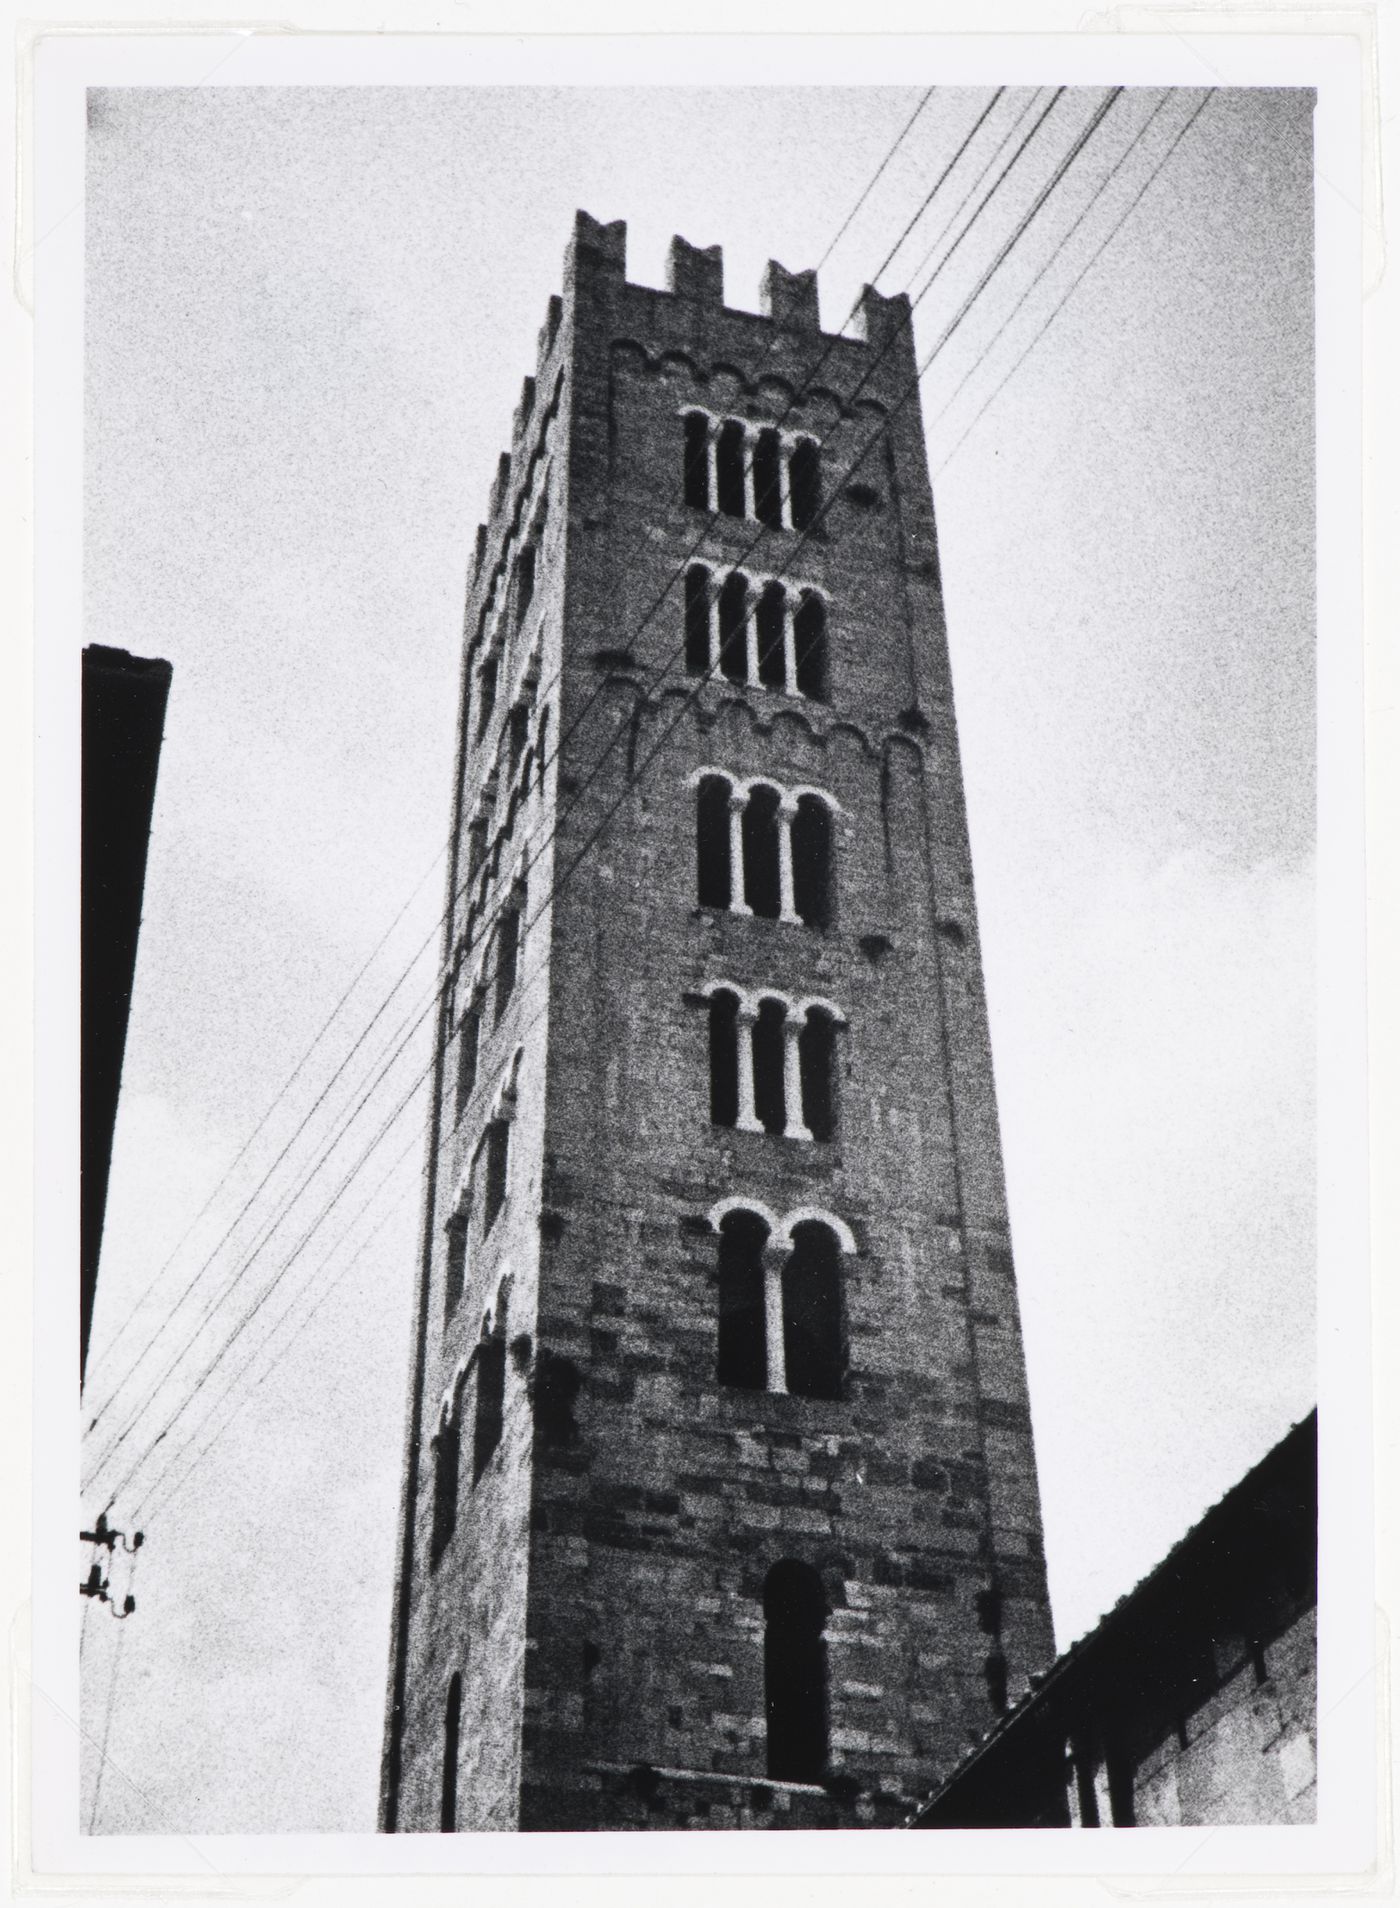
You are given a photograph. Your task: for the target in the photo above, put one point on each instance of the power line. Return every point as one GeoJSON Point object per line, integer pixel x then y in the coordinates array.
{"type": "Point", "coordinates": [647, 617]}
{"type": "Point", "coordinates": [559, 881]}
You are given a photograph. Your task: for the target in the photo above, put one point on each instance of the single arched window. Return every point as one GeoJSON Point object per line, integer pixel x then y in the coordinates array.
{"type": "Point", "coordinates": [724, 1057]}
{"type": "Point", "coordinates": [524, 582]}
{"type": "Point", "coordinates": [476, 845]}
{"type": "Point", "coordinates": [734, 627]}
{"type": "Point", "coordinates": [743, 1339]}
{"type": "Point", "coordinates": [762, 889]}
{"type": "Point", "coordinates": [446, 1467]}
{"type": "Point", "coordinates": [809, 631]}
{"type": "Point", "coordinates": [519, 735]}
{"type": "Point", "coordinates": [729, 468]}
{"type": "Point", "coordinates": [770, 618]}
{"type": "Point", "coordinates": [805, 483]}
{"type": "Point", "coordinates": [451, 1741]}
{"type": "Point", "coordinates": [816, 1052]}
{"type": "Point", "coordinates": [486, 695]}
{"type": "Point", "coordinates": [814, 1339]}
{"type": "Point", "coordinates": [697, 459]}
{"type": "Point", "coordinates": [767, 489]}
{"type": "Point", "coordinates": [794, 1672]}
{"type": "Point", "coordinates": [712, 842]}
{"type": "Point", "coordinates": [811, 861]}
{"type": "Point", "coordinates": [490, 1401]}
{"type": "Point", "coordinates": [468, 1048]}
{"type": "Point", "coordinates": [769, 1100]}
{"type": "Point", "coordinates": [697, 620]}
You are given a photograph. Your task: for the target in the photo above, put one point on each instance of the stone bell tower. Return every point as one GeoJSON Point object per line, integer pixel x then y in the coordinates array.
{"type": "Point", "coordinates": [719, 1503]}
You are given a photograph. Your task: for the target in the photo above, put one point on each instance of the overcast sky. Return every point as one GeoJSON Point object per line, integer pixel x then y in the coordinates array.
{"type": "Point", "coordinates": [308, 315]}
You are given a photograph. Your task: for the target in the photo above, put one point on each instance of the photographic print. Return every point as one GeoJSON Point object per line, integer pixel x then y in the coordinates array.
{"type": "Point", "coordinates": [699, 907]}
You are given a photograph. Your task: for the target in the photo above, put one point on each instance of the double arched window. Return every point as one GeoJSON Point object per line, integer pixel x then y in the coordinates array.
{"type": "Point", "coordinates": [755, 630]}
{"type": "Point", "coordinates": [773, 1064]}
{"type": "Point", "coordinates": [475, 1393]}
{"type": "Point", "coordinates": [781, 1320]}
{"type": "Point", "coordinates": [764, 850]}
{"type": "Point", "coordinates": [742, 469]}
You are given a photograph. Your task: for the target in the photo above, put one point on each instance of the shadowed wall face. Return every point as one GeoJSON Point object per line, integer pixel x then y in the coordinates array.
{"type": "Point", "coordinates": [124, 701]}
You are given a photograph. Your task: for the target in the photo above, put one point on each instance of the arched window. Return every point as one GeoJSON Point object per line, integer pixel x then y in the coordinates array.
{"type": "Point", "coordinates": [767, 486]}
{"type": "Point", "coordinates": [771, 616]}
{"type": "Point", "coordinates": [809, 629]}
{"type": "Point", "coordinates": [769, 1103]}
{"type": "Point", "coordinates": [697, 620]}
{"type": "Point", "coordinates": [445, 1472]}
{"type": "Point", "coordinates": [729, 468]}
{"type": "Point", "coordinates": [762, 888]}
{"type": "Point", "coordinates": [490, 1401]}
{"type": "Point", "coordinates": [451, 1738]}
{"type": "Point", "coordinates": [507, 953]}
{"type": "Point", "coordinates": [455, 1270]}
{"type": "Point", "coordinates": [712, 842]}
{"type": "Point", "coordinates": [540, 745]}
{"type": "Point", "coordinates": [519, 734]}
{"type": "Point", "coordinates": [524, 582]}
{"type": "Point", "coordinates": [814, 1347]}
{"type": "Point", "coordinates": [743, 1339]}
{"type": "Point", "coordinates": [816, 1048]}
{"type": "Point", "coordinates": [794, 1672]}
{"type": "Point", "coordinates": [476, 845]}
{"type": "Point", "coordinates": [495, 1155]}
{"type": "Point", "coordinates": [724, 1057]}
{"type": "Point", "coordinates": [805, 483]}
{"type": "Point", "coordinates": [697, 459]}
{"type": "Point", "coordinates": [734, 626]}
{"type": "Point", "coordinates": [811, 861]}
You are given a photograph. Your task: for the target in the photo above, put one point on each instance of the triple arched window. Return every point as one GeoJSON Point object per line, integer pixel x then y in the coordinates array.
{"type": "Point", "coordinates": [742, 469]}
{"type": "Point", "coordinates": [773, 1063]}
{"type": "Point", "coordinates": [755, 630]}
{"type": "Point", "coordinates": [764, 850]}
{"type": "Point", "coordinates": [781, 1323]}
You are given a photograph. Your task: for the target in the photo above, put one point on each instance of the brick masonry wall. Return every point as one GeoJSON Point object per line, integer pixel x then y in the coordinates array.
{"type": "Point", "coordinates": [603, 1596]}
{"type": "Point", "coordinates": [1250, 1753]}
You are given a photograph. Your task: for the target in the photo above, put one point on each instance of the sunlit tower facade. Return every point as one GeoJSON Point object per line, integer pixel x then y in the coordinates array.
{"type": "Point", "coordinates": [719, 1503]}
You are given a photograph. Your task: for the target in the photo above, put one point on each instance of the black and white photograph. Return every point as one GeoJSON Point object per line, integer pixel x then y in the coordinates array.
{"type": "Point", "coordinates": [697, 710]}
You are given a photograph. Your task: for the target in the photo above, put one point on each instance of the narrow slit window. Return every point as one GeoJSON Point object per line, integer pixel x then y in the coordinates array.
{"type": "Point", "coordinates": [760, 832]}
{"type": "Point", "coordinates": [697, 459]}
{"type": "Point", "coordinates": [445, 1477]}
{"type": "Point", "coordinates": [507, 956]}
{"type": "Point", "coordinates": [733, 626]}
{"type": "Point", "coordinates": [769, 1103]}
{"type": "Point", "coordinates": [767, 490]}
{"type": "Point", "coordinates": [724, 1058]}
{"type": "Point", "coordinates": [468, 1050]}
{"type": "Point", "coordinates": [795, 1672]}
{"type": "Point", "coordinates": [497, 1144]}
{"type": "Point", "coordinates": [455, 1276]}
{"type": "Point", "coordinates": [805, 483]}
{"type": "Point", "coordinates": [771, 616]}
{"type": "Point", "coordinates": [712, 843]}
{"type": "Point", "coordinates": [524, 582]}
{"type": "Point", "coordinates": [451, 1741]}
{"type": "Point", "coordinates": [813, 1329]}
{"type": "Point", "coordinates": [729, 468]}
{"type": "Point", "coordinates": [486, 695]}
{"type": "Point", "coordinates": [697, 620]}
{"type": "Point", "coordinates": [811, 861]}
{"type": "Point", "coordinates": [519, 736]}
{"type": "Point", "coordinates": [743, 1342]}
{"type": "Point", "coordinates": [490, 1402]}
{"type": "Point", "coordinates": [816, 1051]}
{"type": "Point", "coordinates": [809, 630]}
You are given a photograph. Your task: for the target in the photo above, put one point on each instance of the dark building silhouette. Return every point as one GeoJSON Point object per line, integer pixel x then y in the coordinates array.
{"type": "Point", "coordinates": [124, 701]}
{"type": "Point", "coordinates": [1193, 1702]}
{"type": "Point", "coordinates": [719, 1504]}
